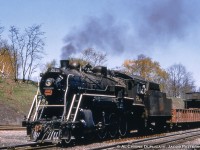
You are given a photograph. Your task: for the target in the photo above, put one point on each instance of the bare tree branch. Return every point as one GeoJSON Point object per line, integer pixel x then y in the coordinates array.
{"type": "Point", "coordinates": [180, 81]}
{"type": "Point", "coordinates": [27, 48]}
{"type": "Point", "coordinates": [95, 58]}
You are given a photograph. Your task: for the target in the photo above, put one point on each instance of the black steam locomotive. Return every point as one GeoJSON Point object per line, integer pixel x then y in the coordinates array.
{"type": "Point", "coordinates": [77, 102]}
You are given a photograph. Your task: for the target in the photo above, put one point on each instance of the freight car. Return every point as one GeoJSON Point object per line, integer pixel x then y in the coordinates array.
{"type": "Point", "coordinates": [187, 112]}
{"type": "Point", "coordinates": [76, 102]}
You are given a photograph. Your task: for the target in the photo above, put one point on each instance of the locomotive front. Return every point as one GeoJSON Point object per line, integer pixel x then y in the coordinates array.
{"type": "Point", "coordinates": [47, 118]}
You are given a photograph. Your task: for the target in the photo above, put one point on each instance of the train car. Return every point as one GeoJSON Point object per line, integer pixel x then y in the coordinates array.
{"type": "Point", "coordinates": [186, 112]}
{"type": "Point", "coordinates": [76, 102]}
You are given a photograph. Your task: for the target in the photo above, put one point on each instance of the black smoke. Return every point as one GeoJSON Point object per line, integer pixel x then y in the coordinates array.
{"type": "Point", "coordinates": [153, 22]}
{"type": "Point", "coordinates": [103, 33]}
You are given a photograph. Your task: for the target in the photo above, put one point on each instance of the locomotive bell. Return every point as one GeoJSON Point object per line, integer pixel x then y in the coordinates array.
{"type": "Point", "coordinates": [64, 64]}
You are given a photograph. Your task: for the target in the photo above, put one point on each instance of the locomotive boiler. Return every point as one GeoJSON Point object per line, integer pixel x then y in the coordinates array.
{"type": "Point", "coordinates": [76, 102]}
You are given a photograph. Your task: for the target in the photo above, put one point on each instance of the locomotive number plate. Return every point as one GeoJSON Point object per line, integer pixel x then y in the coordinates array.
{"type": "Point", "coordinates": [48, 92]}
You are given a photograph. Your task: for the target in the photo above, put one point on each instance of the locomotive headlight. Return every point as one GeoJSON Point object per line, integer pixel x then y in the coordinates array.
{"type": "Point", "coordinates": [49, 82]}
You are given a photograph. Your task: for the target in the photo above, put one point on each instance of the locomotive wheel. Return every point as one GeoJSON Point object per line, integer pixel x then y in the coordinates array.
{"type": "Point", "coordinates": [123, 126]}
{"type": "Point", "coordinates": [113, 126]}
{"type": "Point", "coordinates": [102, 133]}
{"type": "Point", "coordinates": [66, 136]}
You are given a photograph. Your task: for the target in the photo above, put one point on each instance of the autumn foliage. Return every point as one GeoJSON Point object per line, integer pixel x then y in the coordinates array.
{"type": "Point", "coordinates": [6, 67]}
{"type": "Point", "coordinates": [147, 68]}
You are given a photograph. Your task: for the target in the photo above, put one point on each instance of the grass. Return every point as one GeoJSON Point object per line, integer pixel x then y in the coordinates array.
{"type": "Point", "coordinates": [17, 95]}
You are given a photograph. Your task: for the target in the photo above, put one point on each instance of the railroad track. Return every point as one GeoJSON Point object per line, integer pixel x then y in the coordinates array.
{"type": "Point", "coordinates": [171, 141]}
{"type": "Point", "coordinates": [11, 127]}
{"type": "Point", "coordinates": [153, 141]}
{"type": "Point", "coordinates": [30, 146]}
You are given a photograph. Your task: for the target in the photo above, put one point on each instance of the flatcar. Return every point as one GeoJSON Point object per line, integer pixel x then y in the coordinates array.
{"type": "Point", "coordinates": [186, 112]}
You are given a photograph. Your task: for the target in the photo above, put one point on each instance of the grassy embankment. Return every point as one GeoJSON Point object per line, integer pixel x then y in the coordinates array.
{"type": "Point", "coordinates": [15, 101]}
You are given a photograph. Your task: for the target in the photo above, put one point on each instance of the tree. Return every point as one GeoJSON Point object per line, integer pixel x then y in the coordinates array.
{"type": "Point", "coordinates": [180, 81]}
{"type": "Point", "coordinates": [1, 31]}
{"type": "Point", "coordinates": [14, 51]}
{"type": "Point", "coordinates": [27, 49]}
{"type": "Point", "coordinates": [147, 68]}
{"type": "Point", "coordinates": [48, 65]}
{"type": "Point", "coordinates": [5, 63]}
{"type": "Point", "coordinates": [90, 56]}
{"type": "Point", "coordinates": [94, 57]}
{"type": "Point", "coordinates": [35, 46]}
{"type": "Point", "coordinates": [6, 57]}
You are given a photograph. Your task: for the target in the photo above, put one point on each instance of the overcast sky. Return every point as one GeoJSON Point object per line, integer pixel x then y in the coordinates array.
{"type": "Point", "coordinates": [168, 31]}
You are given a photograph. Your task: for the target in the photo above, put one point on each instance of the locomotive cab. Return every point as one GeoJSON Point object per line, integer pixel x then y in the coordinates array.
{"type": "Point", "coordinates": [136, 89]}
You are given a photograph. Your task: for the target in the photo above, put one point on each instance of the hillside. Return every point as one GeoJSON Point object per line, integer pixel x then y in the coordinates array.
{"type": "Point", "coordinates": [15, 101]}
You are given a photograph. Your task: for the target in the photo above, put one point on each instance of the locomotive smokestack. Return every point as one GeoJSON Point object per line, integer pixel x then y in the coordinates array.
{"type": "Point", "coordinates": [64, 64]}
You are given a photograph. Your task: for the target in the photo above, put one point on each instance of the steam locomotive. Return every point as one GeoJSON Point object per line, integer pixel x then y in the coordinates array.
{"type": "Point", "coordinates": [74, 102]}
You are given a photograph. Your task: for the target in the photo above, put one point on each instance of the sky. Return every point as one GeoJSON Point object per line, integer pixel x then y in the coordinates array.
{"type": "Point", "coordinates": [168, 31]}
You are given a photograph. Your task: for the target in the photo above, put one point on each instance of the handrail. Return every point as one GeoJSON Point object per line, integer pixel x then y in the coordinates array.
{"type": "Point", "coordinates": [31, 109]}
{"type": "Point", "coordinates": [34, 102]}
{"type": "Point", "coordinates": [36, 110]}
{"type": "Point", "coordinates": [70, 109]}
{"type": "Point", "coordinates": [65, 97]}
{"type": "Point", "coordinates": [79, 102]}
{"type": "Point", "coordinates": [52, 105]}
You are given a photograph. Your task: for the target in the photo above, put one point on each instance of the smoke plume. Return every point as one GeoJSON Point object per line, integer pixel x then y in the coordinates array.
{"type": "Point", "coordinates": [154, 22]}
{"type": "Point", "coordinates": [103, 33]}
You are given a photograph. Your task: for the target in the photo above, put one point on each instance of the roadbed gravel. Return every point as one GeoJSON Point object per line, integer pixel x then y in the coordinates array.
{"type": "Point", "coordinates": [10, 138]}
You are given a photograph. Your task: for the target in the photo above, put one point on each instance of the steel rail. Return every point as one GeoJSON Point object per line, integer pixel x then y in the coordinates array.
{"type": "Point", "coordinates": [12, 128]}
{"type": "Point", "coordinates": [141, 141]}
{"type": "Point", "coordinates": [29, 146]}
{"type": "Point", "coordinates": [18, 146]}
